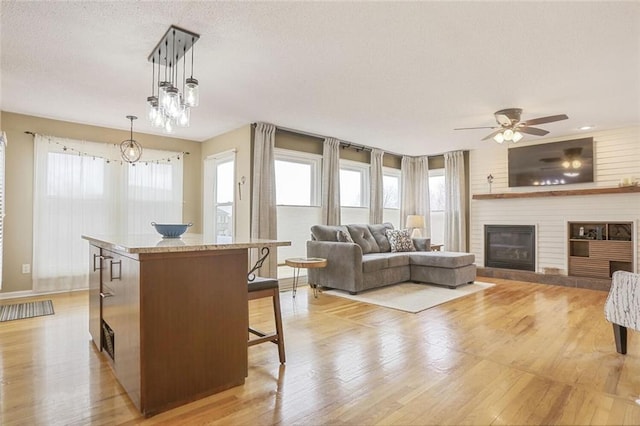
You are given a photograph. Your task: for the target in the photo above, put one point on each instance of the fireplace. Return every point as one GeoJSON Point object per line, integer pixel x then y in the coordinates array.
{"type": "Point", "coordinates": [510, 247]}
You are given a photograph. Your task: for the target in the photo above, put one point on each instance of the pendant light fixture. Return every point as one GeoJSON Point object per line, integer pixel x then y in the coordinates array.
{"type": "Point", "coordinates": [130, 149]}
{"type": "Point", "coordinates": [168, 107]}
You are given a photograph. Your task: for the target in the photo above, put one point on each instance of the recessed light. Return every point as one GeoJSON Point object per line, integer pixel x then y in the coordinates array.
{"type": "Point", "coordinates": [586, 127]}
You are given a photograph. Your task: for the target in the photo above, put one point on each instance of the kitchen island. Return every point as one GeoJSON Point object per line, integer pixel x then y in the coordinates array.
{"type": "Point", "coordinates": [170, 315]}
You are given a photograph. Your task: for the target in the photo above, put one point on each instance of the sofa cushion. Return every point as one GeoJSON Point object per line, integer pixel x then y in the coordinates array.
{"type": "Point", "coordinates": [344, 237]}
{"type": "Point", "coordinates": [400, 240]}
{"type": "Point", "coordinates": [362, 237]}
{"type": "Point", "coordinates": [378, 261]}
{"type": "Point", "coordinates": [379, 233]}
{"type": "Point", "coordinates": [397, 259]}
{"type": "Point", "coordinates": [374, 262]}
{"type": "Point", "coordinates": [326, 232]}
{"type": "Point", "coordinates": [442, 259]}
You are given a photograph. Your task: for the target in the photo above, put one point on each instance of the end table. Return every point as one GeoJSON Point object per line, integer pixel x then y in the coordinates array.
{"type": "Point", "coordinates": [304, 262]}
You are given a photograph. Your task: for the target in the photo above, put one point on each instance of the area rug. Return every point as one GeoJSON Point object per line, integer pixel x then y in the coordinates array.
{"type": "Point", "coordinates": [412, 297]}
{"type": "Point", "coordinates": [25, 310]}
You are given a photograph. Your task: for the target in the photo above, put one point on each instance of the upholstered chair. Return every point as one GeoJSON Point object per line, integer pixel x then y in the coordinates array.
{"type": "Point", "coordinates": [622, 307]}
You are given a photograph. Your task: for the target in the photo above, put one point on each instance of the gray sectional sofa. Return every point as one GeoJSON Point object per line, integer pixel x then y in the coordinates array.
{"type": "Point", "coordinates": [360, 257]}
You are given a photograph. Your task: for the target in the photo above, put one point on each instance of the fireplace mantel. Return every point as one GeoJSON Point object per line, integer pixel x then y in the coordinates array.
{"type": "Point", "coordinates": [559, 193]}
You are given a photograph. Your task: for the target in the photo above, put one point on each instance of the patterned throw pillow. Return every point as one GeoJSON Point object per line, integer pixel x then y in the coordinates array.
{"type": "Point", "coordinates": [400, 240]}
{"type": "Point", "coordinates": [344, 237]}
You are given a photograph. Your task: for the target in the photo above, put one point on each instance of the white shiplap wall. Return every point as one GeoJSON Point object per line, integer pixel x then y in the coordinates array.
{"type": "Point", "coordinates": [616, 156]}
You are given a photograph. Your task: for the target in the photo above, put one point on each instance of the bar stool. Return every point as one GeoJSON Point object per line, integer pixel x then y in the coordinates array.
{"type": "Point", "coordinates": [268, 287]}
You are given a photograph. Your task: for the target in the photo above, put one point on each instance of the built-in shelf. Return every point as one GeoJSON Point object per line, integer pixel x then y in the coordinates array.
{"type": "Point", "coordinates": [598, 249]}
{"type": "Point", "coordinates": [559, 193]}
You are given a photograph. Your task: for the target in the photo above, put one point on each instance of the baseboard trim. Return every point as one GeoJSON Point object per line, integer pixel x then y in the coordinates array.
{"type": "Point", "coordinates": [31, 293]}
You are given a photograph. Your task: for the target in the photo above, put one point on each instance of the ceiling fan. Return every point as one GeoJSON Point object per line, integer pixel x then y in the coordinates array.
{"type": "Point", "coordinates": [511, 128]}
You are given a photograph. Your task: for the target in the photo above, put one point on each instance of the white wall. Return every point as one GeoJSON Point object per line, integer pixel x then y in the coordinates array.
{"type": "Point", "coordinates": [616, 156]}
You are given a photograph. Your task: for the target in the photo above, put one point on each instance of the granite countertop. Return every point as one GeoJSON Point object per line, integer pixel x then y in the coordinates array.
{"type": "Point", "coordinates": [154, 243]}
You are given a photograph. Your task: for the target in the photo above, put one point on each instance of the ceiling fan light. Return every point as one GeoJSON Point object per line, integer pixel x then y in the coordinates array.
{"type": "Point", "coordinates": [576, 164]}
{"type": "Point", "coordinates": [508, 135]}
{"type": "Point", "coordinates": [499, 138]}
{"type": "Point", "coordinates": [517, 136]}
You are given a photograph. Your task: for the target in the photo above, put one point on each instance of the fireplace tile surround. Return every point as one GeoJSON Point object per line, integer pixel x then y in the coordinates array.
{"type": "Point", "coordinates": [550, 279]}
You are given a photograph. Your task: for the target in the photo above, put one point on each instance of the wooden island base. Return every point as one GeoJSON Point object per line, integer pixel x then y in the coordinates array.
{"type": "Point", "coordinates": [172, 324]}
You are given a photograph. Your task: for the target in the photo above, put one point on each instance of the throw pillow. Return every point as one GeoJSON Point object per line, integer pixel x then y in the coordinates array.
{"type": "Point", "coordinates": [400, 240]}
{"type": "Point", "coordinates": [344, 237]}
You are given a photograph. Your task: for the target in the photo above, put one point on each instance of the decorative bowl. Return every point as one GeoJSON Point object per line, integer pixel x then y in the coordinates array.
{"type": "Point", "coordinates": [171, 230]}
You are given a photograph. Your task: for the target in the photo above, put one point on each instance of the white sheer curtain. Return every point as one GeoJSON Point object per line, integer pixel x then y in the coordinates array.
{"type": "Point", "coordinates": [77, 194]}
{"type": "Point", "coordinates": [455, 193]}
{"type": "Point", "coordinates": [376, 203]}
{"type": "Point", "coordinates": [152, 193]}
{"type": "Point", "coordinates": [263, 200]}
{"type": "Point", "coordinates": [415, 191]}
{"type": "Point", "coordinates": [331, 182]}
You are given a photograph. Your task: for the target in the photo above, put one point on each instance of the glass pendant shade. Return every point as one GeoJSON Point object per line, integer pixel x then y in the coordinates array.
{"type": "Point", "coordinates": [192, 92]}
{"type": "Point", "coordinates": [517, 136]}
{"type": "Point", "coordinates": [162, 92]}
{"type": "Point", "coordinates": [130, 150]}
{"type": "Point", "coordinates": [152, 108]}
{"type": "Point", "coordinates": [172, 103]}
{"type": "Point", "coordinates": [169, 125]}
{"type": "Point", "coordinates": [176, 93]}
{"type": "Point", "coordinates": [184, 117]}
{"type": "Point", "coordinates": [499, 138]}
{"type": "Point", "coordinates": [158, 119]}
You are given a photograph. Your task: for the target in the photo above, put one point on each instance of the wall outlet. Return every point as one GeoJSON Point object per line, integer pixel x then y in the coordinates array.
{"type": "Point", "coordinates": [26, 268]}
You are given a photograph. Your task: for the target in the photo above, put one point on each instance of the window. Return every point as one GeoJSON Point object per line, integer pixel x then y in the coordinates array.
{"type": "Point", "coordinates": [224, 199]}
{"type": "Point", "coordinates": [437, 204]}
{"type": "Point", "coordinates": [219, 196]}
{"type": "Point", "coordinates": [3, 143]}
{"type": "Point", "coordinates": [297, 178]}
{"type": "Point", "coordinates": [354, 184]}
{"type": "Point", "coordinates": [391, 188]}
{"type": "Point", "coordinates": [391, 196]}
{"type": "Point", "coordinates": [297, 198]}
{"type": "Point", "coordinates": [436, 190]}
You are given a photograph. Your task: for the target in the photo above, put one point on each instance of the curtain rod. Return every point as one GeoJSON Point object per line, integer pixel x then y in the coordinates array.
{"type": "Point", "coordinates": [343, 144]}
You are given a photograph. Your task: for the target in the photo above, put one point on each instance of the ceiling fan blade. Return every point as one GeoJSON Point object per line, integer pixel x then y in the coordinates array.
{"type": "Point", "coordinates": [492, 134]}
{"type": "Point", "coordinates": [472, 128]}
{"type": "Point", "coordinates": [533, 131]}
{"type": "Point", "coordinates": [542, 120]}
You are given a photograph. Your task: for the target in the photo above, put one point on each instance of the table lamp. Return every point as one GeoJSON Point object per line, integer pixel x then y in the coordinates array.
{"type": "Point", "coordinates": [417, 223]}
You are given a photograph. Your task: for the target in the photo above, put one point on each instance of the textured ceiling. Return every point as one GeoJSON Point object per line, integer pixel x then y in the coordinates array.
{"type": "Point", "coordinates": [399, 76]}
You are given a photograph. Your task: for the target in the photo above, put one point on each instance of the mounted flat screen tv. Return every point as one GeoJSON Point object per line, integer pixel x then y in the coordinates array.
{"type": "Point", "coordinates": [551, 164]}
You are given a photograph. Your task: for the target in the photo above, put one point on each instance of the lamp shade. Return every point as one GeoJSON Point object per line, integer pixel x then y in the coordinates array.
{"type": "Point", "coordinates": [415, 221]}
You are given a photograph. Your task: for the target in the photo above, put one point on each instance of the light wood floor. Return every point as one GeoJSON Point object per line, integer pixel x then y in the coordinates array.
{"type": "Point", "coordinates": [517, 353]}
